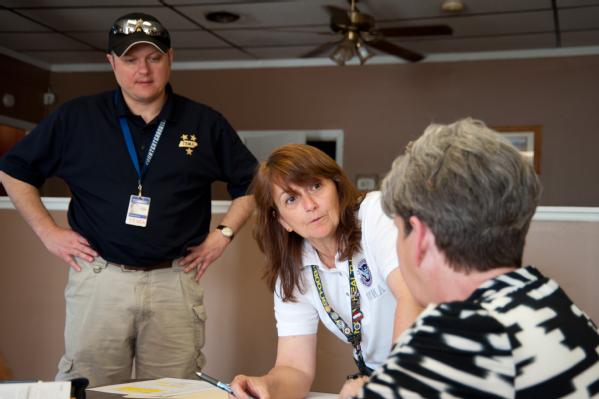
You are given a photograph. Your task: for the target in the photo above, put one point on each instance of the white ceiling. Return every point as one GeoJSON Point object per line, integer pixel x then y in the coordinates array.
{"type": "Point", "coordinates": [75, 31]}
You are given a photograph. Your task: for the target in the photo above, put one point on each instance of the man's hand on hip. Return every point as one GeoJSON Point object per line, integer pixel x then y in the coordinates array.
{"type": "Point", "coordinates": [201, 256]}
{"type": "Point", "coordinates": [67, 244]}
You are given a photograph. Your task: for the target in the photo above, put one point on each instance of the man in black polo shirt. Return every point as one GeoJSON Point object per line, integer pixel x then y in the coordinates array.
{"type": "Point", "coordinates": [139, 162]}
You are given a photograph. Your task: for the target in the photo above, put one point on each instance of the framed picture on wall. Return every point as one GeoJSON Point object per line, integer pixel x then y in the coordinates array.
{"type": "Point", "coordinates": [527, 139]}
{"type": "Point", "coordinates": [366, 182]}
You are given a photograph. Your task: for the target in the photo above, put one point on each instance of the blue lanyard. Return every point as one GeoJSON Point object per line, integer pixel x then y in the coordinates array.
{"type": "Point", "coordinates": [133, 152]}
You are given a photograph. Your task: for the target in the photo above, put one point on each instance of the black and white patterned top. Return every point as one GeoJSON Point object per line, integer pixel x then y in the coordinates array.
{"type": "Point", "coordinates": [516, 336]}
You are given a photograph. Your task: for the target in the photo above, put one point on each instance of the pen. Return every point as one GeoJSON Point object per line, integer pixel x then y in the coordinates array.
{"type": "Point", "coordinates": [215, 382]}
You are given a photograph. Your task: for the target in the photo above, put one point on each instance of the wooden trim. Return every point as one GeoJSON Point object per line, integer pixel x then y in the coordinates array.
{"type": "Point", "coordinates": [543, 213]}
{"type": "Point", "coordinates": [62, 204]}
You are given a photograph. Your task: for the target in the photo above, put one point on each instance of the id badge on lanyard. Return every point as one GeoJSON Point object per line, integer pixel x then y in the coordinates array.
{"type": "Point", "coordinates": [138, 211]}
{"type": "Point", "coordinates": [139, 205]}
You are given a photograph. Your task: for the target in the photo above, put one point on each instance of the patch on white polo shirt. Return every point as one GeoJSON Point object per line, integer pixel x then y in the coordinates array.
{"type": "Point", "coordinates": [364, 272]}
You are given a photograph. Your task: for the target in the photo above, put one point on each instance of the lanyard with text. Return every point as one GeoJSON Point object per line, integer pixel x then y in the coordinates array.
{"type": "Point", "coordinates": [353, 333]}
{"type": "Point", "coordinates": [139, 206]}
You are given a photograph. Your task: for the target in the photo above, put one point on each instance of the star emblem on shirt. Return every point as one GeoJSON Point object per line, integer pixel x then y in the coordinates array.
{"type": "Point", "coordinates": [189, 142]}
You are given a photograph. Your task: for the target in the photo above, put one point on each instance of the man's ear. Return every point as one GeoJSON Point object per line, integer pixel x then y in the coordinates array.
{"type": "Point", "coordinates": [110, 58]}
{"type": "Point", "coordinates": [171, 55]}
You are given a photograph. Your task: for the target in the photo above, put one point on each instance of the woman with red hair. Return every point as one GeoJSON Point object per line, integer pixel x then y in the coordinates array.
{"type": "Point", "coordinates": [330, 253]}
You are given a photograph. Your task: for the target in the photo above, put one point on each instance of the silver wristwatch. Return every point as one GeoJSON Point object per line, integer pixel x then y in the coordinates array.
{"type": "Point", "coordinates": [226, 231]}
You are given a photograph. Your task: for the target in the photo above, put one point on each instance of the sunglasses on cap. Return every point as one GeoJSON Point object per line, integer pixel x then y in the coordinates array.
{"type": "Point", "coordinates": [130, 26]}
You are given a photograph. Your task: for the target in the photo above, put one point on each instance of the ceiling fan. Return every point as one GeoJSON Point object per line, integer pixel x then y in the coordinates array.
{"type": "Point", "coordinates": [358, 33]}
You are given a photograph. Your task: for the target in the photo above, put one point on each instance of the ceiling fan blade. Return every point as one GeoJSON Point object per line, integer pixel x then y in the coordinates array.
{"type": "Point", "coordinates": [320, 49]}
{"type": "Point", "coordinates": [424, 30]}
{"type": "Point", "coordinates": [339, 16]}
{"type": "Point", "coordinates": [397, 51]}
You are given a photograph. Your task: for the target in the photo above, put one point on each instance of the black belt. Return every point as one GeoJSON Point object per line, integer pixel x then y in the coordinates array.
{"type": "Point", "coordinates": [162, 265]}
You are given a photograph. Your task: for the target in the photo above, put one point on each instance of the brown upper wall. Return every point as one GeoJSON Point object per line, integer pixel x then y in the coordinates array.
{"type": "Point", "coordinates": [382, 107]}
{"type": "Point", "coordinates": [27, 83]}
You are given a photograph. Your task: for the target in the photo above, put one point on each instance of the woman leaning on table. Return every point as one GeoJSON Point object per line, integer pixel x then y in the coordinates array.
{"type": "Point", "coordinates": [331, 257]}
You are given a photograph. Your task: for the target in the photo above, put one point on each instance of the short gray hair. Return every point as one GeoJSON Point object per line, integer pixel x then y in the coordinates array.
{"type": "Point", "coordinates": [471, 187]}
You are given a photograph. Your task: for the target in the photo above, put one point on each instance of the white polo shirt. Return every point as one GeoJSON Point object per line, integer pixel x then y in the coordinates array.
{"type": "Point", "coordinates": [371, 268]}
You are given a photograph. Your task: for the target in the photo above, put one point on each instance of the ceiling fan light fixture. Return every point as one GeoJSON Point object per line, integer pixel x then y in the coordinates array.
{"type": "Point", "coordinates": [343, 52]}
{"type": "Point", "coordinates": [363, 52]}
{"type": "Point", "coordinates": [358, 35]}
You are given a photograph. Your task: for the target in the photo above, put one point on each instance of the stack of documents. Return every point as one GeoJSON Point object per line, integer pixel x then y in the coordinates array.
{"type": "Point", "coordinates": [35, 390]}
{"type": "Point", "coordinates": [174, 388]}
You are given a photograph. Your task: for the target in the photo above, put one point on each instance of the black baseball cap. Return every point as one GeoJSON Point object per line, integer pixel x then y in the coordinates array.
{"type": "Point", "coordinates": [136, 28]}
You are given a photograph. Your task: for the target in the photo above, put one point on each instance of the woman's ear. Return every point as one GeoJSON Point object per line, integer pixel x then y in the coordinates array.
{"type": "Point", "coordinates": [285, 225]}
{"type": "Point", "coordinates": [421, 239]}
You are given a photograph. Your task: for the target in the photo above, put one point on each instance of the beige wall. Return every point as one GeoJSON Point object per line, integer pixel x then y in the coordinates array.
{"type": "Point", "coordinates": [241, 333]}
{"type": "Point", "coordinates": [568, 252]}
{"type": "Point", "coordinates": [382, 107]}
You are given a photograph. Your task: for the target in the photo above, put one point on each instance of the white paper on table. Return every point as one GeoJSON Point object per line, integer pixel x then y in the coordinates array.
{"type": "Point", "coordinates": [320, 395]}
{"type": "Point", "coordinates": [36, 390]}
{"type": "Point", "coordinates": [219, 394]}
{"type": "Point", "coordinates": [160, 388]}
{"type": "Point", "coordinates": [196, 395]}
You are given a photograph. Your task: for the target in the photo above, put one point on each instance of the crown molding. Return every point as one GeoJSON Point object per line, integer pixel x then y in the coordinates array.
{"type": "Point", "coordinates": [377, 60]}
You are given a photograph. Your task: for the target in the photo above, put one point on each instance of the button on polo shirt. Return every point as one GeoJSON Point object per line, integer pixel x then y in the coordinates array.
{"type": "Point", "coordinates": [82, 143]}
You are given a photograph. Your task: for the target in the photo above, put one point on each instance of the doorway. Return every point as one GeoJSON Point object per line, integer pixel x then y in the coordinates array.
{"type": "Point", "coordinates": [9, 136]}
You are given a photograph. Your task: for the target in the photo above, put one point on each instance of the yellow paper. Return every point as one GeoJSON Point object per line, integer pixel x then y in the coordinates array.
{"type": "Point", "coordinates": [139, 390]}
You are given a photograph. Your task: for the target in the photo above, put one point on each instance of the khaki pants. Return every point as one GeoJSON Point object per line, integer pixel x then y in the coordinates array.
{"type": "Point", "coordinates": [115, 316]}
